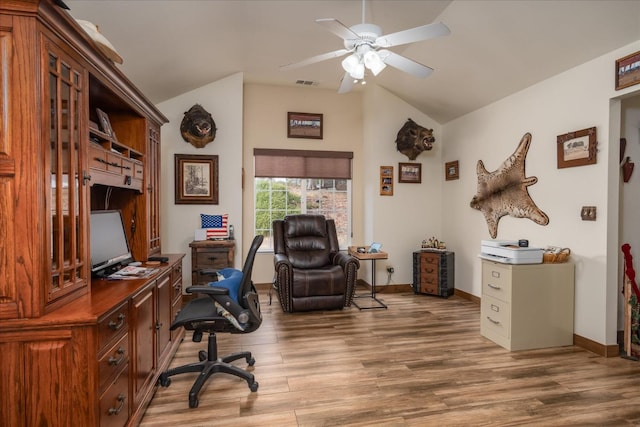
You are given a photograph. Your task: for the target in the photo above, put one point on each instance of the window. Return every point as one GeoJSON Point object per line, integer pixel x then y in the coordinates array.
{"type": "Point", "coordinates": [292, 181]}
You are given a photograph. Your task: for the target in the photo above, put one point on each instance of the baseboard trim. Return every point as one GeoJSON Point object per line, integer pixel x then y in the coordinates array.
{"type": "Point", "coordinates": [604, 350]}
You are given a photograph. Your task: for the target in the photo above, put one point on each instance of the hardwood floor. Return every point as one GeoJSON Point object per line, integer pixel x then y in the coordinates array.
{"type": "Point", "coordinates": [421, 362]}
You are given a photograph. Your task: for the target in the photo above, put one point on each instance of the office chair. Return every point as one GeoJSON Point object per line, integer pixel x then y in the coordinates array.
{"type": "Point", "coordinates": [310, 271]}
{"type": "Point", "coordinates": [231, 306]}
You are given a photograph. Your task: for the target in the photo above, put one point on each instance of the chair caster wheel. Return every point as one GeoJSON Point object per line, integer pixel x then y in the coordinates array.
{"type": "Point", "coordinates": [164, 381]}
{"type": "Point", "coordinates": [202, 355]}
{"type": "Point", "coordinates": [251, 361]}
{"type": "Point", "coordinates": [193, 403]}
{"type": "Point", "coordinates": [253, 386]}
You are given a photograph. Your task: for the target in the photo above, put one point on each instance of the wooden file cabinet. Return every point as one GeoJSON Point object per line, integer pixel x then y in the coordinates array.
{"type": "Point", "coordinates": [209, 256]}
{"type": "Point", "coordinates": [433, 273]}
{"type": "Point", "coordinates": [527, 306]}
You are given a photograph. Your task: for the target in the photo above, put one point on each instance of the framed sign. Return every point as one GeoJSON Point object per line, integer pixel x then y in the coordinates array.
{"type": "Point", "coordinates": [628, 71]}
{"type": "Point", "coordinates": [577, 148]}
{"type": "Point", "coordinates": [410, 172]}
{"type": "Point", "coordinates": [304, 125]}
{"type": "Point", "coordinates": [196, 179]}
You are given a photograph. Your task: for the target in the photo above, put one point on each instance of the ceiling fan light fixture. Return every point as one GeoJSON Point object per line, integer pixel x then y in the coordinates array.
{"type": "Point", "coordinates": [350, 63]}
{"type": "Point", "coordinates": [373, 62]}
{"type": "Point", "coordinates": [357, 72]}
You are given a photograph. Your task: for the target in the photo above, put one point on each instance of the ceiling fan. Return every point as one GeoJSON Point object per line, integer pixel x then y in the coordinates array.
{"type": "Point", "coordinates": [366, 43]}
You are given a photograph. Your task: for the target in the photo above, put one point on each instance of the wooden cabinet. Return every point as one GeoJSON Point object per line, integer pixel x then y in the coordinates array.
{"type": "Point", "coordinates": [527, 306]}
{"type": "Point", "coordinates": [209, 256]}
{"type": "Point", "coordinates": [75, 351]}
{"type": "Point", "coordinates": [434, 273]}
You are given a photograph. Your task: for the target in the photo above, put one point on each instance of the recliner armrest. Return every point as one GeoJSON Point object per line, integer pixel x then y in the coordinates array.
{"type": "Point", "coordinates": [342, 259]}
{"type": "Point", "coordinates": [280, 259]}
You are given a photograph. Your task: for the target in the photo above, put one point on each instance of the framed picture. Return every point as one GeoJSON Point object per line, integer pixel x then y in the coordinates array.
{"type": "Point", "coordinates": [304, 125]}
{"type": "Point", "coordinates": [386, 180]}
{"type": "Point", "coordinates": [410, 172]}
{"type": "Point", "coordinates": [105, 124]}
{"type": "Point", "coordinates": [577, 148]}
{"type": "Point", "coordinates": [451, 171]}
{"type": "Point", "coordinates": [628, 71]}
{"type": "Point", "coordinates": [196, 179]}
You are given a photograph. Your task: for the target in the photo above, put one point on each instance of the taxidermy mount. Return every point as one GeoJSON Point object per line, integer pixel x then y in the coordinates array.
{"type": "Point", "coordinates": [504, 191]}
{"type": "Point", "coordinates": [413, 139]}
{"type": "Point", "coordinates": [198, 127]}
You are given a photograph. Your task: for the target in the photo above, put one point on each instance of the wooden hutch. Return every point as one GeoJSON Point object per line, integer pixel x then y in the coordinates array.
{"type": "Point", "coordinates": [75, 351]}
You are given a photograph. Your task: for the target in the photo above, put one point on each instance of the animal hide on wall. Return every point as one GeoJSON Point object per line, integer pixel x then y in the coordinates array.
{"type": "Point", "coordinates": [413, 139]}
{"type": "Point", "coordinates": [504, 191]}
{"type": "Point", "coordinates": [197, 126]}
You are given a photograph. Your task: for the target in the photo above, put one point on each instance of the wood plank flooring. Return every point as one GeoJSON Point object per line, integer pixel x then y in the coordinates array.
{"type": "Point", "coordinates": [421, 362]}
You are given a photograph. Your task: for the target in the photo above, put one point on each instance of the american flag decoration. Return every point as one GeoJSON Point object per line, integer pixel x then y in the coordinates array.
{"type": "Point", "coordinates": [216, 226]}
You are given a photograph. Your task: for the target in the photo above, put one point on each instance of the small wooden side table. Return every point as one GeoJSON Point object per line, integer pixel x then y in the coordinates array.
{"type": "Point", "coordinates": [209, 256]}
{"type": "Point", "coordinates": [366, 256]}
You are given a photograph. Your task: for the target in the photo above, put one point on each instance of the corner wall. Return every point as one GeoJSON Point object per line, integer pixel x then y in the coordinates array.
{"type": "Point", "coordinates": [574, 100]}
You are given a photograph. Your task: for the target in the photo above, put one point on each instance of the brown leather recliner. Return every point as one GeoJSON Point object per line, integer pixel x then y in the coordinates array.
{"type": "Point", "coordinates": [310, 271]}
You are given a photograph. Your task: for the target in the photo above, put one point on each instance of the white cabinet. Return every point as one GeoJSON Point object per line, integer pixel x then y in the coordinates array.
{"type": "Point", "coordinates": [527, 306]}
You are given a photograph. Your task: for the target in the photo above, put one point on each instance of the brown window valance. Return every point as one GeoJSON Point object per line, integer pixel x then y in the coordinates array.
{"type": "Point", "coordinates": [277, 163]}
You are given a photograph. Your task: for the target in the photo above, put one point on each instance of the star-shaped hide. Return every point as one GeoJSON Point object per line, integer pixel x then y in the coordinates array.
{"type": "Point", "coordinates": [504, 191]}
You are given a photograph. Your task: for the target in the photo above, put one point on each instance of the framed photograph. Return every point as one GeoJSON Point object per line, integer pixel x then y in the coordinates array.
{"type": "Point", "coordinates": [410, 172]}
{"type": "Point", "coordinates": [196, 179]}
{"type": "Point", "coordinates": [105, 124]}
{"type": "Point", "coordinates": [577, 148]}
{"type": "Point", "coordinates": [304, 125]}
{"type": "Point", "coordinates": [628, 71]}
{"type": "Point", "coordinates": [451, 171]}
{"type": "Point", "coordinates": [386, 180]}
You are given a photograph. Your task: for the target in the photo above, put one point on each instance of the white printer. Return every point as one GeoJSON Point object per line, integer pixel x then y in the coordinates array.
{"type": "Point", "coordinates": [508, 252]}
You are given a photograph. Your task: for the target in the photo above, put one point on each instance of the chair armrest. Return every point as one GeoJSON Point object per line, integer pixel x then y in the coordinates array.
{"type": "Point", "coordinates": [209, 290]}
{"type": "Point", "coordinates": [279, 260]}
{"type": "Point", "coordinates": [344, 260]}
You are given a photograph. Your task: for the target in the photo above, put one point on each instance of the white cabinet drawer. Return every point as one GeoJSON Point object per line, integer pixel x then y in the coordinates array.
{"type": "Point", "coordinates": [495, 317]}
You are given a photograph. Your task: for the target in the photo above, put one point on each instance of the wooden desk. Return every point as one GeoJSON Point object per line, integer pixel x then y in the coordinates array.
{"type": "Point", "coordinates": [353, 251]}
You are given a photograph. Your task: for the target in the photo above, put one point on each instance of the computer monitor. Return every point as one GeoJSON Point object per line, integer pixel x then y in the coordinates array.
{"type": "Point", "coordinates": [109, 247]}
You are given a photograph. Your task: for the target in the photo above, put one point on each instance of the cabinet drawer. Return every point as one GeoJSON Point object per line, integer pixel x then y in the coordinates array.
{"type": "Point", "coordinates": [113, 325]}
{"type": "Point", "coordinates": [176, 272]}
{"type": "Point", "coordinates": [114, 403]}
{"type": "Point", "coordinates": [496, 281]}
{"type": "Point", "coordinates": [495, 316]}
{"type": "Point", "coordinates": [138, 170]}
{"type": "Point", "coordinates": [98, 158]}
{"type": "Point", "coordinates": [212, 259]}
{"type": "Point", "coordinates": [429, 259]}
{"type": "Point", "coordinates": [429, 287]}
{"type": "Point", "coordinates": [113, 361]}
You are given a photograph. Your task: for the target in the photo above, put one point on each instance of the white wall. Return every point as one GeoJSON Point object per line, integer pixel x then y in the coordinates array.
{"type": "Point", "coordinates": [400, 222]}
{"type": "Point", "coordinates": [223, 99]}
{"type": "Point", "coordinates": [574, 100]}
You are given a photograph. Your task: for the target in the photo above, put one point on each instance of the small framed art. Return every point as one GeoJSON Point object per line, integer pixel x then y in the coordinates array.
{"type": "Point", "coordinates": [196, 179]}
{"type": "Point", "coordinates": [451, 171]}
{"type": "Point", "coordinates": [628, 71]}
{"type": "Point", "coordinates": [410, 172]}
{"type": "Point", "coordinates": [386, 180]}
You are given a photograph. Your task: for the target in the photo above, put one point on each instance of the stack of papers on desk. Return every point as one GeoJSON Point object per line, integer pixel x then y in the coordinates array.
{"type": "Point", "coordinates": [130, 272]}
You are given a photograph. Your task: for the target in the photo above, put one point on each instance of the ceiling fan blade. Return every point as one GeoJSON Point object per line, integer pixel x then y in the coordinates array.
{"type": "Point", "coordinates": [337, 28]}
{"type": "Point", "coordinates": [404, 64]}
{"type": "Point", "coordinates": [347, 84]}
{"type": "Point", "coordinates": [314, 59]}
{"type": "Point", "coordinates": [413, 35]}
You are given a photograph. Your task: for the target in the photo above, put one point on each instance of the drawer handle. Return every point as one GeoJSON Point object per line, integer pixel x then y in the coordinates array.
{"type": "Point", "coordinates": [495, 274]}
{"type": "Point", "coordinates": [116, 411]}
{"type": "Point", "coordinates": [495, 322]}
{"type": "Point", "coordinates": [493, 286]}
{"type": "Point", "coordinates": [116, 361]}
{"type": "Point", "coordinates": [116, 326]}
{"type": "Point", "coordinates": [212, 258]}
{"type": "Point", "coordinates": [158, 326]}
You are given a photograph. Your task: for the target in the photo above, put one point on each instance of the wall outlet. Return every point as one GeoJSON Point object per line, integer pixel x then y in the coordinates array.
{"type": "Point", "coordinates": [390, 269]}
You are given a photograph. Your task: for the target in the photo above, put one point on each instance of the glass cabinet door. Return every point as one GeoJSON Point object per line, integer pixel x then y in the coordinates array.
{"type": "Point", "coordinates": [67, 224]}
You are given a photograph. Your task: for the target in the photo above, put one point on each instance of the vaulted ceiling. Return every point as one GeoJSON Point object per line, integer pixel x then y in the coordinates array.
{"type": "Point", "coordinates": [496, 48]}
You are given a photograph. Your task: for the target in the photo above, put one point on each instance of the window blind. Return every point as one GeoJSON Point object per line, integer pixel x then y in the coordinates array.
{"type": "Point", "coordinates": [276, 163]}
